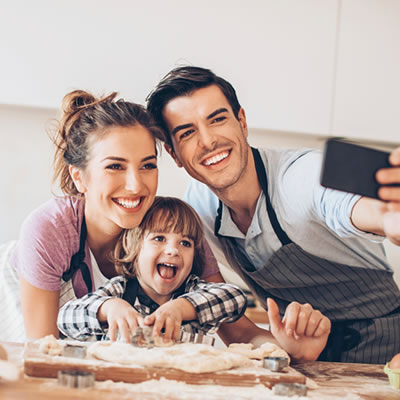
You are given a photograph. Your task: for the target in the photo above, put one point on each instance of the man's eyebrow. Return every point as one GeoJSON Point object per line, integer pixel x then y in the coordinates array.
{"type": "Point", "coordinates": [216, 112]}
{"type": "Point", "coordinates": [179, 128]}
{"type": "Point", "coordinates": [185, 126]}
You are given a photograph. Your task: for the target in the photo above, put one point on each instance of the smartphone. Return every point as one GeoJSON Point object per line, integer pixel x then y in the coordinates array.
{"type": "Point", "coordinates": [351, 168]}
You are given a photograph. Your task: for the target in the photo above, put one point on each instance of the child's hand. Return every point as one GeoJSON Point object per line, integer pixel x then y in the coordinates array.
{"type": "Point", "coordinates": [170, 316]}
{"type": "Point", "coordinates": [303, 331]}
{"type": "Point", "coordinates": [121, 317]}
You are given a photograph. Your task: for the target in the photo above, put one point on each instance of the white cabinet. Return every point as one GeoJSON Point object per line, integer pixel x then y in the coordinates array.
{"type": "Point", "coordinates": [367, 100]}
{"type": "Point", "coordinates": [278, 54]}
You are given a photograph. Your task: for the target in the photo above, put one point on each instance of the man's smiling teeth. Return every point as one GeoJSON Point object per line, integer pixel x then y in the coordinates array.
{"type": "Point", "coordinates": [216, 158]}
{"type": "Point", "coordinates": [128, 203]}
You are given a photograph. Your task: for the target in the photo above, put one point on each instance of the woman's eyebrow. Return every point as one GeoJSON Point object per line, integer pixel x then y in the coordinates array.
{"type": "Point", "coordinates": [116, 158]}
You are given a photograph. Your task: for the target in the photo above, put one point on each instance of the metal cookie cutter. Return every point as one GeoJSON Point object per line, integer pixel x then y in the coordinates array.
{"type": "Point", "coordinates": [188, 337]}
{"type": "Point", "coordinates": [143, 337]}
{"type": "Point", "coordinates": [290, 389]}
{"type": "Point", "coordinates": [275, 364]}
{"type": "Point", "coordinates": [75, 351]}
{"type": "Point", "coordinates": [76, 379]}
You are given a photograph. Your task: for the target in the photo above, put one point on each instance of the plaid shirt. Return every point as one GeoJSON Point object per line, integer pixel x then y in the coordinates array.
{"type": "Point", "coordinates": [214, 303]}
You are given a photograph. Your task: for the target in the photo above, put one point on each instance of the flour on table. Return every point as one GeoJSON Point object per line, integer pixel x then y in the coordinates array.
{"type": "Point", "coordinates": [265, 350]}
{"type": "Point", "coordinates": [189, 357]}
{"type": "Point", "coordinates": [9, 371]}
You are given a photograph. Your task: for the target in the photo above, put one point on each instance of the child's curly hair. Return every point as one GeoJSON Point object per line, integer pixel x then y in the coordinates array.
{"type": "Point", "coordinates": [167, 214]}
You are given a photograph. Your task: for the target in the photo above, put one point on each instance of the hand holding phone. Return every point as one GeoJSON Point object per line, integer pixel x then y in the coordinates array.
{"type": "Point", "coordinates": [352, 168]}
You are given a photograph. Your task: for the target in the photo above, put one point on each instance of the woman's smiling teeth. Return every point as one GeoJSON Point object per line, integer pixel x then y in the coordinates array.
{"type": "Point", "coordinates": [217, 158]}
{"type": "Point", "coordinates": [166, 271]}
{"type": "Point", "coordinates": [127, 203]}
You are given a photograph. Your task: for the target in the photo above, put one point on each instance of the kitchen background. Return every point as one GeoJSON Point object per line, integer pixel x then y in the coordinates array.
{"type": "Point", "coordinates": [304, 70]}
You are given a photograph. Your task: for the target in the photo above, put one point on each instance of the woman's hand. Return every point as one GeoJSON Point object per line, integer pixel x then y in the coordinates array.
{"type": "Point", "coordinates": [121, 317]}
{"type": "Point", "coordinates": [303, 331]}
{"type": "Point", "coordinates": [170, 316]}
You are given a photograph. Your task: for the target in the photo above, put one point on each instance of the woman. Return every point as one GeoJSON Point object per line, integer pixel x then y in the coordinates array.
{"type": "Point", "coordinates": [106, 165]}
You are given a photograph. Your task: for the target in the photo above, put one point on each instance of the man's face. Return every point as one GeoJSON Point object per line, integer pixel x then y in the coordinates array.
{"type": "Point", "coordinates": [208, 140]}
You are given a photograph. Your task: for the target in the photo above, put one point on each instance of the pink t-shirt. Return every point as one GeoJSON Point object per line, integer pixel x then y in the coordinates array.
{"type": "Point", "coordinates": [49, 238]}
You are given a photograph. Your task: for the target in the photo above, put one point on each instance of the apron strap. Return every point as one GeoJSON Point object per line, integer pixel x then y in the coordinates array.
{"type": "Point", "coordinates": [263, 181]}
{"type": "Point", "coordinates": [77, 261]}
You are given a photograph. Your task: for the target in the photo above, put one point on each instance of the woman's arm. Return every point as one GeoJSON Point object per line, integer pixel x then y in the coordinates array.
{"type": "Point", "coordinates": [40, 310]}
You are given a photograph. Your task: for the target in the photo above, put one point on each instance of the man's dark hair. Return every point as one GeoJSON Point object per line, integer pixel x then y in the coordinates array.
{"type": "Point", "coordinates": [183, 81]}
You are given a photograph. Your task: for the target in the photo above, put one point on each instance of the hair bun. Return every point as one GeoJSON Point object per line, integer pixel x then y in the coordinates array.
{"type": "Point", "coordinates": [76, 100]}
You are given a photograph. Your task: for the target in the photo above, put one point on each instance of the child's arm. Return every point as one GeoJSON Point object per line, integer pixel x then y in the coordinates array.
{"type": "Point", "coordinates": [170, 316]}
{"type": "Point", "coordinates": [214, 303]}
{"type": "Point", "coordinates": [78, 319]}
{"type": "Point", "coordinates": [206, 304]}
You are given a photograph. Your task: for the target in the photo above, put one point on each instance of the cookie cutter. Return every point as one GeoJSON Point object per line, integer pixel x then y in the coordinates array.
{"type": "Point", "coordinates": [75, 379]}
{"type": "Point", "coordinates": [290, 389]}
{"type": "Point", "coordinates": [75, 351]}
{"type": "Point", "coordinates": [191, 337]}
{"type": "Point", "coordinates": [275, 364]}
{"type": "Point", "coordinates": [143, 337]}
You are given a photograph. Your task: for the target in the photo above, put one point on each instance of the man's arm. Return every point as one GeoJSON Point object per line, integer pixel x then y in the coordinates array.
{"type": "Point", "coordinates": [303, 332]}
{"type": "Point", "coordinates": [382, 217]}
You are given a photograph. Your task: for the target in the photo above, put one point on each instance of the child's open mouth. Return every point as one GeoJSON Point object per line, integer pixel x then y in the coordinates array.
{"type": "Point", "coordinates": [166, 271]}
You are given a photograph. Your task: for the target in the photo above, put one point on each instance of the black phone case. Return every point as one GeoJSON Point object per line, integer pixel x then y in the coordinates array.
{"type": "Point", "coordinates": [351, 168]}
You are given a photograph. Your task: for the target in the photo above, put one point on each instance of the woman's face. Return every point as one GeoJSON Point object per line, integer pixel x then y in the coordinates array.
{"type": "Point", "coordinates": [120, 180]}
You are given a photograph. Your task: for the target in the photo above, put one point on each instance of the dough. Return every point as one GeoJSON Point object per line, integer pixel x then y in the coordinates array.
{"type": "Point", "coordinates": [189, 357]}
{"type": "Point", "coordinates": [265, 350]}
{"type": "Point", "coordinates": [50, 345]}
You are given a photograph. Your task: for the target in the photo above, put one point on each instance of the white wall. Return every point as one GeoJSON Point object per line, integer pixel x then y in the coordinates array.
{"type": "Point", "coordinates": [313, 66]}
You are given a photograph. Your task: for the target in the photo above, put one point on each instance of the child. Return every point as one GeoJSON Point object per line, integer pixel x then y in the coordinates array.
{"type": "Point", "coordinates": [159, 262]}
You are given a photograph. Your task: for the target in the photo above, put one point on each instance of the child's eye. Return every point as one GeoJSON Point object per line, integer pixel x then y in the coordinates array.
{"type": "Point", "coordinates": [159, 238]}
{"type": "Point", "coordinates": [186, 243]}
{"type": "Point", "coordinates": [114, 166]}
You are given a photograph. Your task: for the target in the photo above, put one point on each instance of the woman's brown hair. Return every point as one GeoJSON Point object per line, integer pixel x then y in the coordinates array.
{"type": "Point", "coordinates": [84, 115]}
{"type": "Point", "coordinates": [167, 214]}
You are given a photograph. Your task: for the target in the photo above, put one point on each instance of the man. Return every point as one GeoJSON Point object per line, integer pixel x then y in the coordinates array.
{"type": "Point", "coordinates": [288, 237]}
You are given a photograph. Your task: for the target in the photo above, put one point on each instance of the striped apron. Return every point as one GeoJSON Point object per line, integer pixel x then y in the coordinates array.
{"type": "Point", "coordinates": [362, 304]}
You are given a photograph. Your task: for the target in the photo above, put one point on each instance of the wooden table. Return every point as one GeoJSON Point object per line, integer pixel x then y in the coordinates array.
{"type": "Point", "coordinates": [325, 381]}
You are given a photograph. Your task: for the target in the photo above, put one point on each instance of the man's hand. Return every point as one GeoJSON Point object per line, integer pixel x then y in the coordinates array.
{"type": "Point", "coordinates": [170, 316]}
{"type": "Point", "coordinates": [303, 331]}
{"type": "Point", "coordinates": [391, 215]}
{"type": "Point", "coordinates": [121, 317]}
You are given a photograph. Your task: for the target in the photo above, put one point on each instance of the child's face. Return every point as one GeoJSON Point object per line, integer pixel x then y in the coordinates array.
{"type": "Point", "coordinates": [164, 262]}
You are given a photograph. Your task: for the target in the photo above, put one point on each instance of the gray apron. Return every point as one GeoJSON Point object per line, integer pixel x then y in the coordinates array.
{"type": "Point", "coordinates": [363, 304]}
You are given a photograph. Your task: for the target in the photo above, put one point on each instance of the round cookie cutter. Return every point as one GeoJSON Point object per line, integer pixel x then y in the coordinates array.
{"type": "Point", "coordinates": [75, 379]}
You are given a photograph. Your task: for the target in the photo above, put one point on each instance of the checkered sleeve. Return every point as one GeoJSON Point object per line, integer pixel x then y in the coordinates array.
{"type": "Point", "coordinates": [77, 319]}
{"type": "Point", "coordinates": [214, 303]}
